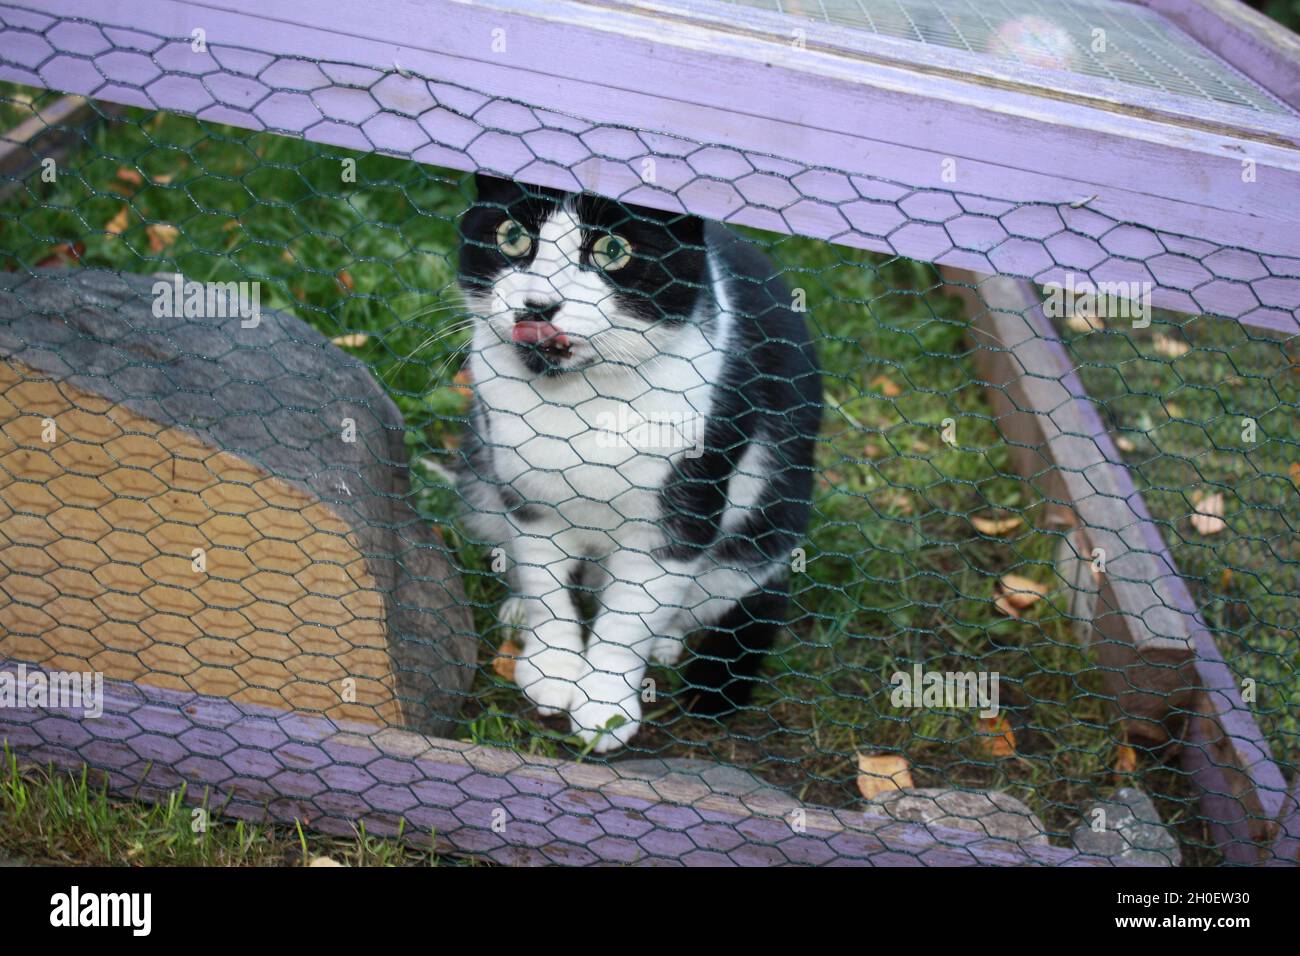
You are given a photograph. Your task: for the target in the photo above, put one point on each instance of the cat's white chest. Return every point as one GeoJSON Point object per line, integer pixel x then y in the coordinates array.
{"type": "Point", "coordinates": [597, 447]}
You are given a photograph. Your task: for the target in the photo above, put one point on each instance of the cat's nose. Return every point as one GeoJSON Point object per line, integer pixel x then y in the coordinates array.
{"type": "Point", "coordinates": [536, 310]}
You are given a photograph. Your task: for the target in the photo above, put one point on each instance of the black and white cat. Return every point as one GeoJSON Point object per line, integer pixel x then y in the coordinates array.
{"type": "Point", "coordinates": [642, 428]}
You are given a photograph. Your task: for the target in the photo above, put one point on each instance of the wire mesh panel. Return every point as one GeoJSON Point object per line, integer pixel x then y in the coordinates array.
{"type": "Point", "coordinates": [570, 525]}
{"type": "Point", "coordinates": [1069, 35]}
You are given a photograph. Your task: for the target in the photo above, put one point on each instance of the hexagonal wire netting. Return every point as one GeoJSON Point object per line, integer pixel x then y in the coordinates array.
{"type": "Point", "coordinates": [570, 528]}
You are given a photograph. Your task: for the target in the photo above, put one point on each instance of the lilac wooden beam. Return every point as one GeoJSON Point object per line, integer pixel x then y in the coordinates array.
{"type": "Point", "coordinates": [1260, 47]}
{"type": "Point", "coordinates": [938, 164]}
{"type": "Point", "coordinates": [275, 766]}
{"type": "Point", "coordinates": [1068, 452]}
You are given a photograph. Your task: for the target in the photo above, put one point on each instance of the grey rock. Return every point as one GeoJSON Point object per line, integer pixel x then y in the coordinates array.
{"type": "Point", "coordinates": [273, 394]}
{"type": "Point", "coordinates": [1131, 831]}
{"type": "Point", "coordinates": [999, 816]}
{"type": "Point", "coordinates": [699, 778]}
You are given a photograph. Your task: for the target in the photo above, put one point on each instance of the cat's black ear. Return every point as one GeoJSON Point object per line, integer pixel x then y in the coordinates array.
{"type": "Point", "coordinates": [688, 230]}
{"type": "Point", "coordinates": [489, 186]}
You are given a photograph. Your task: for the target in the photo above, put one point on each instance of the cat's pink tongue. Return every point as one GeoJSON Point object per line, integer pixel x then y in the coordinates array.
{"type": "Point", "coordinates": [533, 332]}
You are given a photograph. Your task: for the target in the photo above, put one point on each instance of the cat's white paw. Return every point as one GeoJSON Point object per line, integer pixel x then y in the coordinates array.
{"type": "Point", "coordinates": [607, 712]}
{"type": "Point", "coordinates": [667, 650]}
{"type": "Point", "coordinates": [549, 677]}
{"type": "Point", "coordinates": [511, 613]}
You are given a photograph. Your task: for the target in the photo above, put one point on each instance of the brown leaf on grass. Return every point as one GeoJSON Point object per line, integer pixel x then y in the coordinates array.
{"type": "Point", "coordinates": [162, 179]}
{"type": "Point", "coordinates": [461, 383]}
{"type": "Point", "coordinates": [1225, 580]}
{"type": "Point", "coordinates": [353, 340]}
{"type": "Point", "coordinates": [1081, 324]}
{"type": "Point", "coordinates": [882, 773]}
{"type": "Point", "coordinates": [117, 225]}
{"type": "Point", "coordinates": [130, 176]}
{"type": "Point", "coordinates": [64, 254]}
{"type": "Point", "coordinates": [324, 861]}
{"type": "Point", "coordinates": [504, 663]}
{"type": "Point", "coordinates": [1125, 444]}
{"type": "Point", "coordinates": [1126, 759]}
{"type": "Point", "coordinates": [874, 450]}
{"type": "Point", "coordinates": [887, 386]}
{"type": "Point", "coordinates": [996, 526]}
{"type": "Point", "coordinates": [1020, 591]}
{"type": "Point", "coordinates": [1294, 472]}
{"type": "Point", "coordinates": [1005, 606]}
{"type": "Point", "coordinates": [344, 279]}
{"type": "Point", "coordinates": [1172, 347]}
{"type": "Point", "coordinates": [1208, 518]}
{"type": "Point", "coordinates": [161, 235]}
{"type": "Point", "coordinates": [996, 737]}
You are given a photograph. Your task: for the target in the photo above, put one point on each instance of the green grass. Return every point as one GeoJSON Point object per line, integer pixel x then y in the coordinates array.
{"type": "Point", "coordinates": [896, 573]}
{"type": "Point", "coordinates": [1182, 416]}
{"type": "Point", "coordinates": [50, 817]}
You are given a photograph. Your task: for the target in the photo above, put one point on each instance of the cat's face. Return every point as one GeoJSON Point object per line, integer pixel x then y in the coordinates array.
{"type": "Point", "coordinates": [571, 281]}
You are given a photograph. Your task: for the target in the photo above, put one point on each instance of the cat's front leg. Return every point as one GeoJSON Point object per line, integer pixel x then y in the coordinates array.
{"type": "Point", "coordinates": [639, 606]}
{"type": "Point", "coordinates": [551, 661]}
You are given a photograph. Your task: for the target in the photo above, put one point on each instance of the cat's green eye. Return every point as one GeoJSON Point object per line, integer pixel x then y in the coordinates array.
{"type": "Point", "coordinates": [513, 239]}
{"type": "Point", "coordinates": [611, 253]}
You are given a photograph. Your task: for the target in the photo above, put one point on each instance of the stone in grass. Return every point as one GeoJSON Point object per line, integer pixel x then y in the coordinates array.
{"type": "Point", "coordinates": [694, 779]}
{"type": "Point", "coordinates": [256, 450]}
{"type": "Point", "coordinates": [999, 816]}
{"type": "Point", "coordinates": [1129, 829]}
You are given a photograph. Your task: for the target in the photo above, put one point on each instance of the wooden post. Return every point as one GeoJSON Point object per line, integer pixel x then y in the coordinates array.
{"type": "Point", "coordinates": [1162, 667]}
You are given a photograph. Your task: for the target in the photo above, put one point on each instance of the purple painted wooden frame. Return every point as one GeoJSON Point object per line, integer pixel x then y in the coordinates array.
{"type": "Point", "coordinates": [262, 764]}
{"type": "Point", "coordinates": [855, 145]}
{"type": "Point", "coordinates": [1096, 185]}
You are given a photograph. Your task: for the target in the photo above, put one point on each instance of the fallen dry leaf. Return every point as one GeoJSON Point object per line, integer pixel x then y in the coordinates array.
{"type": "Point", "coordinates": [995, 526]}
{"type": "Point", "coordinates": [1021, 591]}
{"type": "Point", "coordinates": [504, 662]}
{"type": "Point", "coordinates": [117, 225]}
{"type": "Point", "coordinates": [161, 235]}
{"type": "Point", "coordinates": [1208, 518]}
{"type": "Point", "coordinates": [887, 386]}
{"type": "Point", "coordinates": [324, 861]}
{"type": "Point", "coordinates": [1080, 323]}
{"type": "Point", "coordinates": [1173, 410]}
{"type": "Point", "coordinates": [354, 340]}
{"type": "Point", "coordinates": [461, 383]}
{"type": "Point", "coordinates": [1169, 346]}
{"type": "Point", "coordinates": [1294, 471]}
{"type": "Point", "coordinates": [996, 737]}
{"type": "Point", "coordinates": [1225, 579]}
{"type": "Point", "coordinates": [64, 254]}
{"type": "Point", "coordinates": [1005, 606]}
{"type": "Point", "coordinates": [1126, 759]}
{"type": "Point", "coordinates": [881, 773]}
{"type": "Point", "coordinates": [345, 280]}
{"type": "Point", "coordinates": [1125, 444]}
{"type": "Point", "coordinates": [162, 179]}
{"type": "Point", "coordinates": [128, 175]}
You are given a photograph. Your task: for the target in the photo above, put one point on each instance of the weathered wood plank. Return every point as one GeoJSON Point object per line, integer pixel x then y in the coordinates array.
{"type": "Point", "coordinates": [850, 150]}
{"type": "Point", "coordinates": [1161, 663]}
{"type": "Point", "coordinates": [483, 801]}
